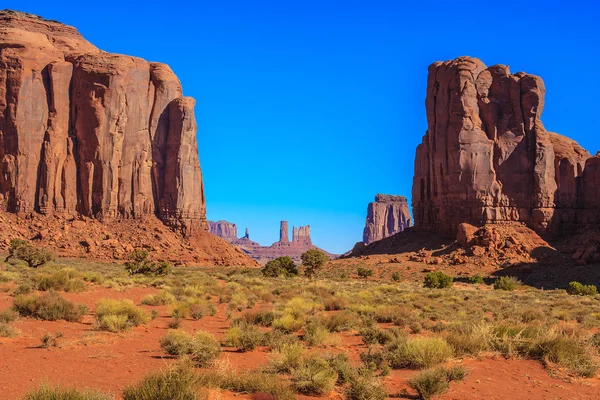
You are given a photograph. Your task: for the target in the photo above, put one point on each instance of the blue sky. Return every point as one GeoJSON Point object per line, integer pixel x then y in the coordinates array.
{"type": "Point", "coordinates": [307, 109]}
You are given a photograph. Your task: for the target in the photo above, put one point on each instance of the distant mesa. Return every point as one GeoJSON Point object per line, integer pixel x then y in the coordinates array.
{"type": "Point", "coordinates": [301, 242]}
{"type": "Point", "coordinates": [386, 216]}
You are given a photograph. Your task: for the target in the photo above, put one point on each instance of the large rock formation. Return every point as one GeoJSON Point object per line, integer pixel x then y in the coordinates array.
{"type": "Point", "coordinates": [223, 229]}
{"type": "Point", "coordinates": [486, 156]}
{"type": "Point", "coordinates": [386, 216]}
{"type": "Point", "coordinates": [87, 132]}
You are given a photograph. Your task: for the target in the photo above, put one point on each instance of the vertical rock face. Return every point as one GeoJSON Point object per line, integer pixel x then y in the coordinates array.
{"type": "Point", "coordinates": [223, 229]}
{"type": "Point", "coordinates": [486, 156]}
{"type": "Point", "coordinates": [386, 216]}
{"type": "Point", "coordinates": [284, 234]}
{"type": "Point", "coordinates": [88, 132]}
{"type": "Point", "coordinates": [301, 235]}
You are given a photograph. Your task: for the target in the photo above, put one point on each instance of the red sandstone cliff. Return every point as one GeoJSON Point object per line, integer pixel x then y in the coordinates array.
{"type": "Point", "coordinates": [87, 132]}
{"type": "Point", "coordinates": [223, 229]}
{"type": "Point", "coordinates": [486, 156]}
{"type": "Point", "coordinates": [386, 216]}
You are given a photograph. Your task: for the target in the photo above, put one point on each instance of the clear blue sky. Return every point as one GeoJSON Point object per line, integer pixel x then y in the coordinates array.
{"type": "Point", "coordinates": [307, 109]}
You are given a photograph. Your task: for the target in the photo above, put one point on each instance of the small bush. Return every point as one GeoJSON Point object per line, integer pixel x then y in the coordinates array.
{"type": "Point", "coordinates": [245, 337]}
{"type": "Point", "coordinates": [176, 343]}
{"type": "Point", "coordinates": [366, 388]}
{"type": "Point", "coordinates": [7, 331]}
{"type": "Point", "coordinates": [287, 357]}
{"type": "Point", "coordinates": [50, 307]}
{"type": "Point", "coordinates": [434, 382]}
{"type": "Point", "coordinates": [178, 383]}
{"type": "Point", "coordinates": [8, 315]}
{"type": "Point", "coordinates": [118, 315]}
{"type": "Point", "coordinates": [204, 349]}
{"type": "Point", "coordinates": [247, 382]}
{"type": "Point", "coordinates": [315, 333]}
{"type": "Point", "coordinates": [49, 340]}
{"type": "Point", "coordinates": [260, 318]}
{"type": "Point", "coordinates": [476, 280]}
{"type": "Point", "coordinates": [334, 303]}
{"type": "Point", "coordinates": [314, 376]}
{"type": "Point", "coordinates": [364, 272]}
{"type": "Point", "coordinates": [508, 283]}
{"type": "Point", "coordinates": [46, 392]}
{"type": "Point", "coordinates": [288, 323]}
{"type": "Point", "coordinates": [437, 280]}
{"type": "Point", "coordinates": [162, 298]}
{"type": "Point", "coordinates": [23, 250]}
{"type": "Point", "coordinates": [418, 353]}
{"type": "Point", "coordinates": [139, 263]}
{"type": "Point", "coordinates": [567, 352]}
{"type": "Point", "coordinates": [281, 266]}
{"type": "Point", "coordinates": [341, 321]}
{"type": "Point", "coordinates": [65, 279]}
{"type": "Point", "coordinates": [578, 289]}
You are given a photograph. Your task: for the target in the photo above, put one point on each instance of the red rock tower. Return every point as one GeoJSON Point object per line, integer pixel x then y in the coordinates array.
{"type": "Point", "coordinates": [284, 234]}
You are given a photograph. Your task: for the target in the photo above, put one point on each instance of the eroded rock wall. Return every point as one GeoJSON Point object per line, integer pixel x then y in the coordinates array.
{"type": "Point", "coordinates": [386, 216]}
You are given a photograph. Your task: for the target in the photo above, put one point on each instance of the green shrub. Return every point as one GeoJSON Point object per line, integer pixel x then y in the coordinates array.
{"type": "Point", "coordinates": [567, 352]}
{"type": "Point", "coordinates": [139, 263]}
{"type": "Point", "coordinates": [46, 392]}
{"type": "Point", "coordinates": [396, 277]}
{"type": "Point", "coordinates": [312, 261]}
{"type": "Point", "coordinates": [162, 298]}
{"type": "Point", "coordinates": [340, 321]}
{"type": "Point", "coordinates": [178, 383]}
{"type": "Point", "coordinates": [437, 280]}
{"type": "Point", "coordinates": [315, 333]}
{"type": "Point", "coordinates": [65, 279]}
{"type": "Point", "coordinates": [248, 382]}
{"type": "Point", "coordinates": [418, 353]}
{"type": "Point", "coordinates": [281, 266]}
{"type": "Point", "coordinates": [364, 272]}
{"type": "Point", "coordinates": [434, 382]}
{"type": "Point", "coordinates": [204, 349]}
{"type": "Point", "coordinates": [366, 388]}
{"type": "Point", "coordinates": [260, 318]}
{"type": "Point", "coordinates": [340, 364]}
{"type": "Point", "coordinates": [576, 288]}
{"type": "Point", "coordinates": [118, 315]}
{"type": "Point", "coordinates": [314, 376]}
{"type": "Point", "coordinates": [176, 342]}
{"type": "Point", "coordinates": [334, 303]}
{"type": "Point", "coordinates": [476, 280]}
{"type": "Point", "coordinates": [288, 323]}
{"type": "Point", "coordinates": [287, 357]}
{"type": "Point", "coordinates": [508, 283]}
{"type": "Point", "coordinates": [245, 337]}
{"type": "Point", "coordinates": [50, 307]}
{"type": "Point", "coordinates": [23, 250]}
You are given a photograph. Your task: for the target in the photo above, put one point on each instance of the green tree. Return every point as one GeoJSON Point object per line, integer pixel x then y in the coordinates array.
{"type": "Point", "coordinates": [312, 261]}
{"type": "Point", "coordinates": [280, 266]}
{"type": "Point", "coordinates": [23, 250]}
{"type": "Point", "coordinates": [139, 263]}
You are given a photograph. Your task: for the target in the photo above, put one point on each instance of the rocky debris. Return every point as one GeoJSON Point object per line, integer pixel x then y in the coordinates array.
{"type": "Point", "coordinates": [465, 234]}
{"type": "Point", "coordinates": [223, 229]}
{"type": "Point", "coordinates": [487, 158]}
{"type": "Point", "coordinates": [89, 133]}
{"type": "Point", "coordinates": [386, 216]}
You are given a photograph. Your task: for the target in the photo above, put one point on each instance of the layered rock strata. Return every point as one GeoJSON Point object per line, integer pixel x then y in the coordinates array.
{"type": "Point", "coordinates": [386, 216]}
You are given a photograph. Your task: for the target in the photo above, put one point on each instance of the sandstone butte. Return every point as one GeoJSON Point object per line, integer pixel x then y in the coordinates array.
{"type": "Point", "coordinates": [301, 242]}
{"type": "Point", "coordinates": [487, 158]}
{"type": "Point", "coordinates": [86, 133]}
{"type": "Point", "coordinates": [386, 216]}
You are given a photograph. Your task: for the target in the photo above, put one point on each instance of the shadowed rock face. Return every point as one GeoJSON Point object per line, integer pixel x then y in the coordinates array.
{"type": "Point", "coordinates": [486, 156]}
{"type": "Point", "coordinates": [223, 229]}
{"type": "Point", "coordinates": [88, 132]}
{"type": "Point", "coordinates": [386, 216]}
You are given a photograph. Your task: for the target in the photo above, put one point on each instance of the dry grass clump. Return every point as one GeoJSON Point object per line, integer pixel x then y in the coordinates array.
{"type": "Point", "coordinates": [118, 315]}
{"type": "Point", "coordinates": [434, 382]}
{"type": "Point", "coordinates": [245, 337]}
{"type": "Point", "coordinates": [417, 353]}
{"type": "Point", "coordinates": [314, 376]}
{"type": "Point", "coordinates": [366, 387]}
{"type": "Point", "coordinates": [178, 383]}
{"type": "Point", "coordinates": [202, 348]}
{"type": "Point", "coordinates": [7, 331]}
{"type": "Point", "coordinates": [49, 306]}
{"type": "Point", "coordinates": [162, 298]}
{"type": "Point", "coordinates": [66, 279]}
{"type": "Point", "coordinates": [287, 357]}
{"type": "Point", "coordinates": [47, 392]}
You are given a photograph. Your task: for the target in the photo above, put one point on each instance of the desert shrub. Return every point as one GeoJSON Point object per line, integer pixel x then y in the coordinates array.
{"type": "Point", "coordinates": [139, 263]}
{"type": "Point", "coordinates": [312, 261]}
{"type": "Point", "coordinates": [314, 376]}
{"type": "Point", "coordinates": [434, 382]}
{"type": "Point", "coordinates": [7, 331]}
{"type": "Point", "coordinates": [374, 359]}
{"type": "Point", "coordinates": [47, 392]}
{"type": "Point", "coordinates": [334, 303]}
{"type": "Point", "coordinates": [372, 335]}
{"type": "Point", "coordinates": [50, 306]}
{"type": "Point", "coordinates": [364, 272]}
{"type": "Point", "coordinates": [315, 333]}
{"type": "Point", "coordinates": [437, 280]}
{"type": "Point", "coordinates": [178, 383]}
{"type": "Point", "coordinates": [508, 283]}
{"type": "Point", "coordinates": [65, 279]}
{"type": "Point", "coordinates": [470, 340]}
{"type": "Point", "coordinates": [340, 321]}
{"type": "Point", "coordinates": [248, 382]}
{"type": "Point", "coordinates": [181, 310]}
{"type": "Point", "coordinates": [8, 315]}
{"type": "Point", "coordinates": [176, 342]}
{"type": "Point", "coordinates": [392, 313]}
{"type": "Point", "coordinates": [201, 309]}
{"type": "Point", "coordinates": [288, 323]}
{"type": "Point", "coordinates": [245, 337]}
{"type": "Point", "coordinates": [48, 340]}
{"type": "Point", "coordinates": [23, 250]}
{"type": "Point", "coordinates": [476, 280]}
{"type": "Point", "coordinates": [579, 289]}
{"type": "Point", "coordinates": [118, 315]}
{"type": "Point", "coordinates": [162, 298]}
{"type": "Point", "coordinates": [366, 388]}
{"type": "Point", "coordinates": [532, 314]}
{"type": "Point", "coordinates": [340, 364]}
{"type": "Point", "coordinates": [281, 266]}
{"type": "Point", "coordinates": [595, 340]}
{"type": "Point", "coordinates": [418, 353]}
{"type": "Point", "coordinates": [7, 276]}
{"type": "Point", "coordinates": [204, 349]}
{"type": "Point", "coordinates": [260, 318]}
{"type": "Point", "coordinates": [568, 352]}
{"type": "Point", "coordinates": [396, 277]}
{"type": "Point", "coordinates": [287, 357]}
